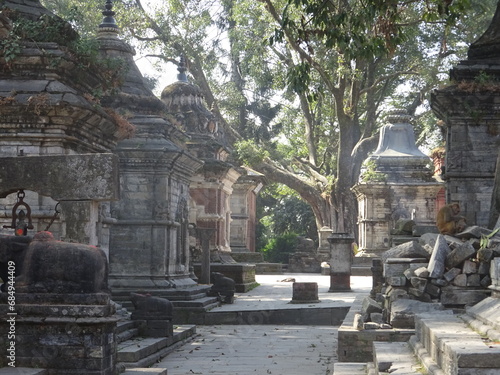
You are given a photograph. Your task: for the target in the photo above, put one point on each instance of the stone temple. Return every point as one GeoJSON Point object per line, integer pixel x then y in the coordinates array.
{"type": "Point", "coordinates": [124, 218]}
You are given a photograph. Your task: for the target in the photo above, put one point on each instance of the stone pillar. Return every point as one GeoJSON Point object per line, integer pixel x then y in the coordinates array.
{"type": "Point", "coordinates": [243, 211]}
{"type": "Point", "coordinates": [340, 261]}
{"type": "Point", "coordinates": [204, 235]}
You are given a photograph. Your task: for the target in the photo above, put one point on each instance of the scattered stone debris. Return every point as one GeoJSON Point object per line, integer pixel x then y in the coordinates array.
{"type": "Point", "coordinates": [435, 273]}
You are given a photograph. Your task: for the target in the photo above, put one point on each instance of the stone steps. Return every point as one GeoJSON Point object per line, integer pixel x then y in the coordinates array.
{"type": "Point", "coordinates": [394, 358]}
{"type": "Point", "coordinates": [145, 351]}
{"type": "Point", "coordinates": [446, 345]}
{"type": "Point", "coordinates": [443, 344]}
{"type": "Point", "coordinates": [135, 349]}
{"type": "Point", "coordinates": [125, 330]}
{"type": "Point", "coordinates": [188, 303]}
{"type": "Point", "coordinates": [202, 302]}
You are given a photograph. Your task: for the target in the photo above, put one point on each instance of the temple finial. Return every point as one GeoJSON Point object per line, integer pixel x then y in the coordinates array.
{"type": "Point", "coordinates": [108, 22]}
{"type": "Point", "coordinates": [181, 68]}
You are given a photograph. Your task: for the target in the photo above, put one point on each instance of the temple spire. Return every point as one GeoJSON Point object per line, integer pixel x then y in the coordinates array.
{"type": "Point", "coordinates": [181, 68]}
{"type": "Point", "coordinates": [108, 22]}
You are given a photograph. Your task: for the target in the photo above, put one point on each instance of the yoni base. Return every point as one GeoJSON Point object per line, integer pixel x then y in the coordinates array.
{"type": "Point", "coordinates": [305, 293]}
{"type": "Point", "coordinates": [340, 282]}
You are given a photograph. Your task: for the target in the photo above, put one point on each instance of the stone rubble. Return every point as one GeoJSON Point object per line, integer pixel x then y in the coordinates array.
{"type": "Point", "coordinates": [455, 275]}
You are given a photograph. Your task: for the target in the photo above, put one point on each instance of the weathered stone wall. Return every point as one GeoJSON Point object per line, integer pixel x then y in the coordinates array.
{"type": "Point", "coordinates": [381, 205]}
{"type": "Point", "coordinates": [469, 108]}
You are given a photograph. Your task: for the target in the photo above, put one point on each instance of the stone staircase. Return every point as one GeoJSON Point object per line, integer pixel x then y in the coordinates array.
{"type": "Point", "coordinates": [136, 354]}
{"type": "Point", "coordinates": [188, 302]}
{"type": "Point", "coordinates": [443, 344]}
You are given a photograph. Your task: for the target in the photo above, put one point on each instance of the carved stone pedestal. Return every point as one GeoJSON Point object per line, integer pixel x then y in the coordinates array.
{"type": "Point", "coordinates": [65, 334]}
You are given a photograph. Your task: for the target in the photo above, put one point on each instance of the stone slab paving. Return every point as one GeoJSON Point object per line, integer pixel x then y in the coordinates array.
{"type": "Point", "coordinates": [273, 293]}
{"type": "Point", "coordinates": [262, 349]}
{"type": "Point", "coordinates": [267, 349]}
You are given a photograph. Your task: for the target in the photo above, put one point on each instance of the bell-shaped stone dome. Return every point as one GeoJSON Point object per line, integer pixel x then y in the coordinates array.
{"type": "Point", "coordinates": [397, 156]}
{"type": "Point", "coordinates": [397, 138]}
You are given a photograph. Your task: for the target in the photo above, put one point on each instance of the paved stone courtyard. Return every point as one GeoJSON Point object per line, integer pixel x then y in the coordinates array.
{"type": "Point", "coordinates": [267, 349]}
{"type": "Point", "coordinates": [256, 349]}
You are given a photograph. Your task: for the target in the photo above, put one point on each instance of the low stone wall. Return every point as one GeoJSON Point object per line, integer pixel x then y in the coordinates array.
{"type": "Point", "coordinates": [242, 274]}
{"type": "Point", "coordinates": [357, 345]}
{"type": "Point", "coordinates": [294, 316]}
{"type": "Point", "coordinates": [268, 268]}
{"type": "Point", "coordinates": [247, 257]}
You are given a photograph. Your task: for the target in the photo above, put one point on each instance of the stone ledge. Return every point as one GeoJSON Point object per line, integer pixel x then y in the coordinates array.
{"type": "Point", "coordinates": [22, 371]}
{"type": "Point", "coordinates": [144, 371]}
{"type": "Point", "coordinates": [453, 346]}
{"type": "Point", "coordinates": [357, 346]}
{"type": "Point", "coordinates": [394, 356]}
{"type": "Point", "coordinates": [349, 368]}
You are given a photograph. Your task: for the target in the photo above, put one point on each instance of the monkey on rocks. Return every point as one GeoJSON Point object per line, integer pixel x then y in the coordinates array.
{"type": "Point", "coordinates": [448, 221]}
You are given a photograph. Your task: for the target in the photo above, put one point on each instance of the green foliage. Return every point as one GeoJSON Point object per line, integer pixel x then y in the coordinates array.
{"type": "Point", "coordinates": [10, 49]}
{"type": "Point", "coordinates": [279, 248]}
{"type": "Point", "coordinates": [83, 51]}
{"type": "Point", "coordinates": [299, 77]}
{"type": "Point", "coordinates": [349, 59]}
{"type": "Point", "coordinates": [484, 78]}
{"type": "Point", "coordinates": [484, 242]}
{"type": "Point", "coordinates": [282, 212]}
{"type": "Point", "coordinates": [369, 173]}
{"type": "Point", "coordinates": [249, 153]}
{"type": "Point", "coordinates": [45, 29]}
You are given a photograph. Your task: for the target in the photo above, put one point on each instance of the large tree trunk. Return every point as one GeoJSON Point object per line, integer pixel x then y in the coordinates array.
{"type": "Point", "coordinates": [319, 202]}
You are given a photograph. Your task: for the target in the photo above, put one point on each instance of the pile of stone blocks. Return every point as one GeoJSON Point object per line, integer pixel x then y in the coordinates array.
{"type": "Point", "coordinates": [356, 337]}
{"type": "Point", "coordinates": [433, 273]}
{"type": "Point", "coordinates": [441, 268]}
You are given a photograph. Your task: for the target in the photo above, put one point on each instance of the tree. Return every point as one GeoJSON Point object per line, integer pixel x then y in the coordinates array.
{"type": "Point", "coordinates": [282, 212]}
{"type": "Point", "coordinates": [352, 67]}
{"type": "Point", "coordinates": [300, 85]}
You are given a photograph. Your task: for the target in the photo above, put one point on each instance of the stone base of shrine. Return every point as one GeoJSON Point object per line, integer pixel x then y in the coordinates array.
{"type": "Point", "coordinates": [242, 274]}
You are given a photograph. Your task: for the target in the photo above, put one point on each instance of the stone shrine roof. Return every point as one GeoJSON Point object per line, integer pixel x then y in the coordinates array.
{"type": "Point", "coordinates": [397, 138]}
{"type": "Point", "coordinates": [488, 45]}
{"type": "Point", "coordinates": [397, 158]}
